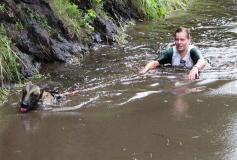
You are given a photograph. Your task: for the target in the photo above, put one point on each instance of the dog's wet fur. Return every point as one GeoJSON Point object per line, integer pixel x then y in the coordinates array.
{"type": "Point", "coordinates": [33, 96]}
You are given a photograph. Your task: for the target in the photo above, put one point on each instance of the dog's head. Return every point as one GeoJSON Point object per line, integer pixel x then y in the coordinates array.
{"type": "Point", "coordinates": [31, 97]}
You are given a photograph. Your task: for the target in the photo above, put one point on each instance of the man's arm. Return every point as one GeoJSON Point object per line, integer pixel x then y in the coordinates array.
{"type": "Point", "coordinates": [150, 65]}
{"type": "Point", "coordinates": [199, 62]}
{"type": "Point", "coordinates": [163, 58]}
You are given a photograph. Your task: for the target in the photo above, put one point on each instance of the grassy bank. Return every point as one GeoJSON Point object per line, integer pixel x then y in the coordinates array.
{"type": "Point", "coordinates": [152, 9]}
{"type": "Point", "coordinates": [74, 20]}
{"type": "Point", "coordinates": [8, 64]}
{"type": "Point", "coordinates": [8, 59]}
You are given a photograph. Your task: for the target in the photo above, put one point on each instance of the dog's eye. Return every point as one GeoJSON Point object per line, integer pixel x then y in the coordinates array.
{"type": "Point", "coordinates": [24, 91]}
{"type": "Point", "coordinates": [33, 94]}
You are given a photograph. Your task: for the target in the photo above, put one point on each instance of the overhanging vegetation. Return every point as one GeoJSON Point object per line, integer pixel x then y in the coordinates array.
{"type": "Point", "coordinates": [152, 9]}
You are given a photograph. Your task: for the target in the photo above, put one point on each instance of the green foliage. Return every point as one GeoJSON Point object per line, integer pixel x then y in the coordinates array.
{"type": "Point", "coordinates": [152, 9]}
{"type": "Point", "coordinates": [72, 10]}
{"type": "Point", "coordinates": [88, 18]}
{"type": "Point", "coordinates": [19, 25]}
{"type": "Point", "coordinates": [8, 58]}
{"type": "Point", "coordinates": [91, 14]}
{"type": "Point", "coordinates": [123, 2]}
{"type": "Point", "coordinates": [30, 12]}
{"type": "Point", "coordinates": [40, 19]}
{"type": "Point", "coordinates": [98, 8]}
{"type": "Point", "coordinates": [130, 23]}
{"type": "Point", "coordinates": [96, 1]}
{"type": "Point", "coordinates": [121, 38]}
{"type": "Point", "coordinates": [73, 19]}
{"type": "Point", "coordinates": [2, 7]}
{"type": "Point", "coordinates": [42, 77]}
{"type": "Point", "coordinates": [3, 95]}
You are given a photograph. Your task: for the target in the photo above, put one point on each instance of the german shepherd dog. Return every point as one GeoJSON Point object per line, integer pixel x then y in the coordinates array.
{"type": "Point", "coordinates": [33, 96]}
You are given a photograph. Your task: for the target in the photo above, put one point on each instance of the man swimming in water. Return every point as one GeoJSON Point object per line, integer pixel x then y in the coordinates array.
{"type": "Point", "coordinates": [182, 54]}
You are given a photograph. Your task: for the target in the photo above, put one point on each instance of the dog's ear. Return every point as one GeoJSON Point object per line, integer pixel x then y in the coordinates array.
{"type": "Point", "coordinates": [41, 92]}
{"type": "Point", "coordinates": [42, 87]}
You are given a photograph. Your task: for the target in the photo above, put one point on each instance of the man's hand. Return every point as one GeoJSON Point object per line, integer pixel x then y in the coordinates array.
{"type": "Point", "coordinates": [142, 71]}
{"type": "Point", "coordinates": [193, 73]}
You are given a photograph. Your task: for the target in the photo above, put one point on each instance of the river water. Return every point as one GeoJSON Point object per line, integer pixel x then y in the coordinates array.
{"type": "Point", "coordinates": [159, 115]}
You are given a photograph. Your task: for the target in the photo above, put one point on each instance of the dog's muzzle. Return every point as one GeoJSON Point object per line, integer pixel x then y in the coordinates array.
{"type": "Point", "coordinates": [24, 106]}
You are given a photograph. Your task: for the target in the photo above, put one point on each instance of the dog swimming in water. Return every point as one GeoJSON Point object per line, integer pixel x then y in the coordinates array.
{"type": "Point", "coordinates": [33, 96]}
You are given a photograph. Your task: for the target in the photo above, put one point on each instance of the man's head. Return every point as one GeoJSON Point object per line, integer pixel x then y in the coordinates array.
{"type": "Point", "coordinates": [182, 39]}
{"type": "Point", "coordinates": [185, 30]}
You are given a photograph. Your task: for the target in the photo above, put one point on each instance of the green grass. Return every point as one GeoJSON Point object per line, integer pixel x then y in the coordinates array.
{"type": "Point", "coordinates": [2, 7]}
{"type": "Point", "coordinates": [8, 59]}
{"type": "Point", "coordinates": [153, 9]}
{"type": "Point", "coordinates": [8, 64]}
{"type": "Point", "coordinates": [76, 22]}
{"type": "Point", "coordinates": [3, 94]}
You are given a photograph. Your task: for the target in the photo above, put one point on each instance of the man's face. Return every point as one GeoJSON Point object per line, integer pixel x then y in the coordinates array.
{"type": "Point", "coordinates": [181, 41]}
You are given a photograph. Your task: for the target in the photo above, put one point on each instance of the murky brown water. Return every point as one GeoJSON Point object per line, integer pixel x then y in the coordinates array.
{"type": "Point", "coordinates": [160, 115]}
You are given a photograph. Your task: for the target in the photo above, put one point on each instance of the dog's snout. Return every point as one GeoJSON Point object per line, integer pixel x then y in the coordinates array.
{"type": "Point", "coordinates": [23, 103]}
{"type": "Point", "coordinates": [24, 106]}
